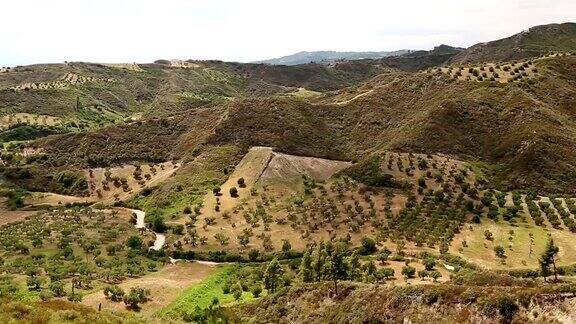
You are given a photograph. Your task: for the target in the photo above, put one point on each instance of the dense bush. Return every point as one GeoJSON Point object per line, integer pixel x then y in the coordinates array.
{"type": "Point", "coordinates": [369, 172]}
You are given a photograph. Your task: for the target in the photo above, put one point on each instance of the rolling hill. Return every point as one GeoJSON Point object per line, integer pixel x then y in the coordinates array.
{"type": "Point", "coordinates": [521, 130]}
{"type": "Point", "coordinates": [535, 41]}
{"type": "Point", "coordinates": [430, 186]}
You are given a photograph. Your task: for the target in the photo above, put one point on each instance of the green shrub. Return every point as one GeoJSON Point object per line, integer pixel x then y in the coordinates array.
{"type": "Point", "coordinates": [408, 271]}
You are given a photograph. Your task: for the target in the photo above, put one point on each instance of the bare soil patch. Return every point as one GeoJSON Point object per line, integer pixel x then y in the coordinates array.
{"type": "Point", "coordinates": [11, 216]}
{"type": "Point", "coordinates": [165, 285]}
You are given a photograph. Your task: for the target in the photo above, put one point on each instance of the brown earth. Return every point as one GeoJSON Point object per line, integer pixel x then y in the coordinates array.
{"type": "Point", "coordinates": [165, 285]}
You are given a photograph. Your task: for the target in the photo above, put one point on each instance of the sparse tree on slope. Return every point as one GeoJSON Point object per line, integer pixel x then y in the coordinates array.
{"type": "Point", "coordinates": [548, 258]}
{"type": "Point", "coordinates": [337, 266]}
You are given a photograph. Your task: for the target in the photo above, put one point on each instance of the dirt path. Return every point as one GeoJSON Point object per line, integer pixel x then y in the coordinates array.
{"type": "Point", "coordinates": [11, 216]}
{"type": "Point", "coordinates": [341, 103]}
{"type": "Point", "coordinates": [53, 199]}
{"type": "Point", "coordinates": [159, 242]}
{"type": "Point", "coordinates": [160, 238]}
{"type": "Point", "coordinates": [139, 218]}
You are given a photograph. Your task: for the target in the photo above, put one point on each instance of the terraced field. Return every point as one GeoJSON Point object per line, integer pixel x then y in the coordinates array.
{"type": "Point", "coordinates": [497, 72]}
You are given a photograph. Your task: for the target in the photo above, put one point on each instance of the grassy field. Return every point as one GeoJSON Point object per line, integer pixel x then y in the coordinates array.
{"type": "Point", "coordinates": [202, 294]}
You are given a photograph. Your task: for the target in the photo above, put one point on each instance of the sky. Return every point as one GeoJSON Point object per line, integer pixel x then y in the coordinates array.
{"type": "Point", "coordinates": [125, 31]}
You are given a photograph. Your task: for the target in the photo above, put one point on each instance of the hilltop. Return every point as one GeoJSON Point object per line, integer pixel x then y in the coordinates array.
{"type": "Point", "coordinates": [420, 60]}
{"type": "Point", "coordinates": [534, 42]}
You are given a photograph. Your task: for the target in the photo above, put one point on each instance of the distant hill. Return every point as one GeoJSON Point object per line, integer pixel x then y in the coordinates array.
{"type": "Point", "coordinates": [341, 110]}
{"type": "Point", "coordinates": [438, 50]}
{"type": "Point", "coordinates": [536, 41]}
{"type": "Point", "coordinates": [319, 56]}
{"type": "Point", "coordinates": [420, 60]}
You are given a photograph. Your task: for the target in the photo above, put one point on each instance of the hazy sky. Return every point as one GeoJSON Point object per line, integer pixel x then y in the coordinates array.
{"type": "Point", "coordinates": [40, 31]}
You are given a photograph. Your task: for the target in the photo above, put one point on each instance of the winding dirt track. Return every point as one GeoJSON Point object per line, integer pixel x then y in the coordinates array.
{"type": "Point", "coordinates": [160, 238]}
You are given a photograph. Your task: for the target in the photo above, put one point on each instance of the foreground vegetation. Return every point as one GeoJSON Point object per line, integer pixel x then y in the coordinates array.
{"type": "Point", "coordinates": [70, 252]}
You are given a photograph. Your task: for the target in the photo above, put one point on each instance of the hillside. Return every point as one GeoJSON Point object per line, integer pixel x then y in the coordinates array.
{"type": "Point", "coordinates": [406, 60]}
{"type": "Point", "coordinates": [421, 60]}
{"type": "Point", "coordinates": [431, 186]}
{"type": "Point", "coordinates": [535, 41]}
{"type": "Point", "coordinates": [415, 112]}
{"type": "Point", "coordinates": [77, 96]}
{"type": "Point", "coordinates": [361, 303]}
{"type": "Point", "coordinates": [395, 110]}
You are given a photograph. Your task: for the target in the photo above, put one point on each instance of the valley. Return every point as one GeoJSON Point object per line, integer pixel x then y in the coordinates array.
{"type": "Point", "coordinates": [422, 186]}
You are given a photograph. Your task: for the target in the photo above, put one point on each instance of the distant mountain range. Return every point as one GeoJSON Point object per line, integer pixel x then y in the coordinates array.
{"type": "Point", "coordinates": [533, 42]}
{"type": "Point", "coordinates": [319, 56]}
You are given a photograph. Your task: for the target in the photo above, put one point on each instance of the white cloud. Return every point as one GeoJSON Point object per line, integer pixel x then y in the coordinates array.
{"type": "Point", "coordinates": [36, 31]}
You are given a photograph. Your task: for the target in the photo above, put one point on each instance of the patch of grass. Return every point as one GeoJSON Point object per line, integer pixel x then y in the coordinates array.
{"type": "Point", "coordinates": [305, 94]}
{"type": "Point", "coordinates": [481, 170]}
{"type": "Point", "coordinates": [201, 295]}
{"type": "Point", "coordinates": [194, 99]}
{"type": "Point", "coordinates": [369, 172]}
{"type": "Point", "coordinates": [26, 296]}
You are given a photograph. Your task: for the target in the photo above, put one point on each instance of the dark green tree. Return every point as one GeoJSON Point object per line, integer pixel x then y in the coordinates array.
{"type": "Point", "coordinates": [256, 290]}
{"type": "Point", "coordinates": [548, 258]}
{"type": "Point", "coordinates": [114, 293]}
{"type": "Point", "coordinates": [305, 272]}
{"type": "Point", "coordinates": [273, 276]}
{"type": "Point", "coordinates": [408, 271]}
{"type": "Point", "coordinates": [429, 263]}
{"type": "Point", "coordinates": [500, 252]}
{"type": "Point", "coordinates": [237, 291]}
{"type": "Point", "coordinates": [368, 245]}
{"type": "Point", "coordinates": [134, 242]}
{"type": "Point", "coordinates": [386, 273]}
{"type": "Point", "coordinates": [286, 246]}
{"type": "Point", "coordinates": [135, 297]}
{"type": "Point", "coordinates": [337, 266]}
{"type": "Point", "coordinates": [57, 287]}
